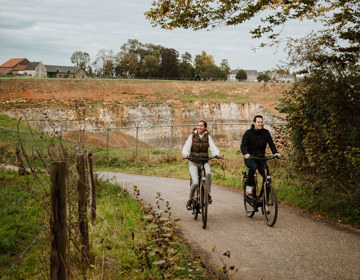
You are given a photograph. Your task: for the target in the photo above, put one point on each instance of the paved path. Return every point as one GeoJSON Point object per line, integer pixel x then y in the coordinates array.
{"type": "Point", "coordinates": [297, 247]}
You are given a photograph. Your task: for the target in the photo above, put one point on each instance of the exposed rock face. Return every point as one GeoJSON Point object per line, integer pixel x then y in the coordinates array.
{"type": "Point", "coordinates": [125, 118]}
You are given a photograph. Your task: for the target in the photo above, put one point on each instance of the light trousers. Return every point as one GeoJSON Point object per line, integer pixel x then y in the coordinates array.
{"type": "Point", "coordinates": [193, 168]}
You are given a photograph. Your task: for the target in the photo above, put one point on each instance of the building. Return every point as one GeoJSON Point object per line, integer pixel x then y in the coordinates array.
{"type": "Point", "coordinates": [34, 69]}
{"type": "Point", "coordinates": [251, 75]}
{"type": "Point", "coordinates": [282, 77]}
{"type": "Point", "coordinates": [56, 71]}
{"type": "Point", "coordinates": [13, 66]}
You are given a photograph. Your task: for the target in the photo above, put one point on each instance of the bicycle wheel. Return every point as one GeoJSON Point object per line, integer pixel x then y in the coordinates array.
{"type": "Point", "coordinates": [249, 203]}
{"type": "Point", "coordinates": [195, 205]}
{"type": "Point", "coordinates": [204, 203]}
{"type": "Point", "coordinates": [270, 206]}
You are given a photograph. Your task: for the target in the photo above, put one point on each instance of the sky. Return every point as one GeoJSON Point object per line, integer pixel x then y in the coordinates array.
{"type": "Point", "coordinates": [51, 31]}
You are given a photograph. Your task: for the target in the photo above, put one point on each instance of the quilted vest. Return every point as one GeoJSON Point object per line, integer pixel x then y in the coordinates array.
{"type": "Point", "coordinates": [200, 147]}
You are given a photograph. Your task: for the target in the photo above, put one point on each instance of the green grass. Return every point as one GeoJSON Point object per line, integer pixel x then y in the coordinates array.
{"type": "Point", "coordinates": [127, 245]}
{"type": "Point", "coordinates": [127, 240]}
{"type": "Point", "coordinates": [21, 223]}
{"type": "Point", "coordinates": [315, 196]}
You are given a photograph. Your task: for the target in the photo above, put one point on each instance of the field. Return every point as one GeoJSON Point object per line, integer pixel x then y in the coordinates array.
{"type": "Point", "coordinates": [180, 93]}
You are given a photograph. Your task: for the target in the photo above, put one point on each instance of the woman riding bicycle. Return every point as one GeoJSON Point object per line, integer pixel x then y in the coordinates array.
{"type": "Point", "coordinates": [197, 145]}
{"type": "Point", "coordinates": [253, 146]}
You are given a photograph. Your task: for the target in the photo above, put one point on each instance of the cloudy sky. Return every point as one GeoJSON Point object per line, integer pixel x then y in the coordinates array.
{"type": "Point", "coordinates": [50, 31]}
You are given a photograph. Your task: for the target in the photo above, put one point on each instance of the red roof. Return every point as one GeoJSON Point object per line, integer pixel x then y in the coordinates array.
{"type": "Point", "coordinates": [19, 67]}
{"type": "Point", "coordinates": [12, 62]}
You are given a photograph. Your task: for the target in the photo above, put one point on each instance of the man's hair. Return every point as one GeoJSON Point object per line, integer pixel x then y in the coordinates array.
{"type": "Point", "coordinates": [257, 116]}
{"type": "Point", "coordinates": [204, 122]}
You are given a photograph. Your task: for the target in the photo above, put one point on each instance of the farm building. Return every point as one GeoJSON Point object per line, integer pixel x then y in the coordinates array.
{"type": "Point", "coordinates": [13, 65]}
{"type": "Point", "coordinates": [251, 75]}
{"type": "Point", "coordinates": [56, 71]}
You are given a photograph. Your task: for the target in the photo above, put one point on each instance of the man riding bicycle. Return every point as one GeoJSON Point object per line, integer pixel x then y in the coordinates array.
{"type": "Point", "coordinates": [197, 146]}
{"type": "Point", "coordinates": [253, 146]}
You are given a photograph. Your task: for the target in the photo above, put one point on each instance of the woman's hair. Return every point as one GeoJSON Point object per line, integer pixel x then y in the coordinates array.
{"type": "Point", "coordinates": [204, 122]}
{"type": "Point", "coordinates": [257, 116]}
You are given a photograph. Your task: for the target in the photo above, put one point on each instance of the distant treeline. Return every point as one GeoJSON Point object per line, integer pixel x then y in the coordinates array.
{"type": "Point", "coordinates": [138, 60]}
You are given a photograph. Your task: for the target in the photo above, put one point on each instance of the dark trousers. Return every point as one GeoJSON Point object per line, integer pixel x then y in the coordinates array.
{"type": "Point", "coordinates": [254, 164]}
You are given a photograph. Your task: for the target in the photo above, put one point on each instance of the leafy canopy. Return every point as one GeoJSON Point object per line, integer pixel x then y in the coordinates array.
{"type": "Point", "coordinates": [204, 14]}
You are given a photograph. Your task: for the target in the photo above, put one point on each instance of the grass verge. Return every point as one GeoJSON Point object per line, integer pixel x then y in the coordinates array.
{"type": "Point", "coordinates": [128, 240]}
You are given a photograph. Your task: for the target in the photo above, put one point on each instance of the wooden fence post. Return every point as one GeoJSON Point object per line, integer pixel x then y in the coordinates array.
{"type": "Point", "coordinates": [58, 224]}
{"type": "Point", "coordinates": [92, 188]}
{"type": "Point", "coordinates": [19, 161]}
{"type": "Point", "coordinates": [83, 220]}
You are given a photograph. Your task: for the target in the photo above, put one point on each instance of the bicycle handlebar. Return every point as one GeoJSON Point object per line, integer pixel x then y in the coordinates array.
{"type": "Point", "coordinates": [265, 158]}
{"type": "Point", "coordinates": [203, 158]}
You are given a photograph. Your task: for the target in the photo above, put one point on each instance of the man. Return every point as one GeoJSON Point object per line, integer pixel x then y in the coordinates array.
{"type": "Point", "coordinates": [253, 146]}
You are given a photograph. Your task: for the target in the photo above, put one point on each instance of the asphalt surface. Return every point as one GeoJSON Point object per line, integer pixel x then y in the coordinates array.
{"type": "Point", "coordinates": [299, 246]}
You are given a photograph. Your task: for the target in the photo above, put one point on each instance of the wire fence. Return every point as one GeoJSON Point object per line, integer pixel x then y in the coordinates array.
{"type": "Point", "coordinates": [227, 136]}
{"type": "Point", "coordinates": [40, 198]}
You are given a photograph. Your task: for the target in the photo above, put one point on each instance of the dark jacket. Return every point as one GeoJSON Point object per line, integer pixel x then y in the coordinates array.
{"type": "Point", "coordinates": [254, 142]}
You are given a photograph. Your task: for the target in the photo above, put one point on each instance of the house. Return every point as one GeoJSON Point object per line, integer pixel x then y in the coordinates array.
{"type": "Point", "coordinates": [251, 75]}
{"type": "Point", "coordinates": [35, 69]}
{"type": "Point", "coordinates": [282, 77]}
{"type": "Point", "coordinates": [56, 71]}
{"type": "Point", "coordinates": [13, 65]}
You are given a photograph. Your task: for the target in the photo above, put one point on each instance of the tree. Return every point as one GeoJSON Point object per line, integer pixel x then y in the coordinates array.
{"type": "Point", "coordinates": [150, 66]}
{"type": "Point", "coordinates": [225, 67]}
{"type": "Point", "coordinates": [169, 66]}
{"type": "Point", "coordinates": [127, 65]}
{"type": "Point", "coordinates": [104, 63]}
{"type": "Point", "coordinates": [241, 75]}
{"type": "Point", "coordinates": [201, 61]}
{"type": "Point", "coordinates": [80, 59]}
{"type": "Point", "coordinates": [186, 68]}
{"type": "Point", "coordinates": [264, 77]}
{"type": "Point", "coordinates": [206, 14]}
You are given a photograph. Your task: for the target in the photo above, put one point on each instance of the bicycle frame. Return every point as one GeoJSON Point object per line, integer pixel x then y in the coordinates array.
{"type": "Point", "coordinates": [267, 202]}
{"type": "Point", "coordinates": [201, 192]}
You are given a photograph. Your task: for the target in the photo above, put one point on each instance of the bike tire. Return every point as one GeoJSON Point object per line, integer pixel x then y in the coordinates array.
{"type": "Point", "coordinates": [196, 206]}
{"type": "Point", "coordinates": [204, 204]}
{"type": "Point", "coordinates": [248, 203]}
{"type": "Point", "coordinates": [272, 204]}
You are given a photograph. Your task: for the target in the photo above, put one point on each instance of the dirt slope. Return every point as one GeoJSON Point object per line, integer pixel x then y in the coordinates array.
{"type": "Point", "coordinates": [180, 93]}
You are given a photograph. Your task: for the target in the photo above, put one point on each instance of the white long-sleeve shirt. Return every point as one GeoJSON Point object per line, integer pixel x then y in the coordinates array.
{"type": "Point", "coordinates": [187, 147]}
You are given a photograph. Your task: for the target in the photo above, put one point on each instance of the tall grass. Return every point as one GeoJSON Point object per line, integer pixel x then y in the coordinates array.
{"type": "Point", "coordinates": [128, 241]}
{"type": "Point", "coordinates": [20, 225]}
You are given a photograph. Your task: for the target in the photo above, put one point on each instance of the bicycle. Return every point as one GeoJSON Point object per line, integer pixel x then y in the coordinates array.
{"type": "Point", "coordinates": [265, 198]}
{"type": "Point", "coordinates": [200, 200]}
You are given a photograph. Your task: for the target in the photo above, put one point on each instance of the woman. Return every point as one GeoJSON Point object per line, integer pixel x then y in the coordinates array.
{"type": "Point", "coordinates": [198, 145]}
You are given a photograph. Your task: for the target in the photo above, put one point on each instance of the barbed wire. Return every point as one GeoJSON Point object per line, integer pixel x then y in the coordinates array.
{"type": "Point", "coordinates": [23, 198]}
{"type": "Point", "coordinates": [24, 252]}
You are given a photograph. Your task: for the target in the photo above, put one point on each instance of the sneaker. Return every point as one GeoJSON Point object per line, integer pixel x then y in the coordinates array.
{"type": "Point", "coordinates": [209, 199]}
{"type": "Point", "coordinates": [188, 204]}
{"type": "Point", "coordinates": [249, 191]}
{"type": "Point", "coordinates": [267, 210]}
